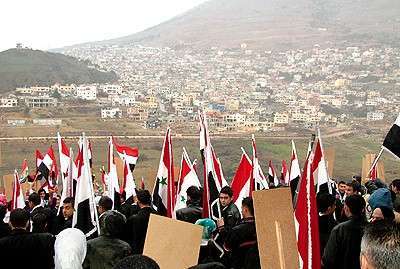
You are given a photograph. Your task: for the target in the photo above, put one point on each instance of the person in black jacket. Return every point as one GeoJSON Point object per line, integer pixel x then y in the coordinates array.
{"type": "Point", "coordinates": [193, 211]}
{"type": "Point", "coordinates": [34, 203]}
{"type": "Point", "coordinates": [326, 204]}
{"type": "Point", "coordinates": [343, 247]}
{"type": "Point", "coordinates": [128, 206]}
{"type": "Point", "coordinates": [24, 249]}
{"type": "Point", "coordinates": [230, 214]}
{"type": "Point", "coordinates": [241, 240]}
{"type": "Point", "coordinates": [136, 225]}
{"type": "Point", "coordinates": [4, 227]}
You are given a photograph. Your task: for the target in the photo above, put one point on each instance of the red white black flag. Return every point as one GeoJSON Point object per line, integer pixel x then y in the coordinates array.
{"type": "Point", "coordinates": [392, 139]}
{"type": "Point", "coordinates": [241, 180]}
{"type": "Point", "coordinates": [259, 182]}
{"type": "Point", "coordinates": [17, 200]}
{"type": "Point", "coordinates": [294, 175]}
{"type": "Point", "coordinates": [187, 178]}
{"type": "Point", "coordinates": [164, 188]}
{"type": "Point", "coordinates": [212, 185]}
{"type": "Point", "coordinates": [306, 221]}
{"type": "Point", "coordinates": [85, 218]}
{"type": "Point", "coordinates": [128, 153]}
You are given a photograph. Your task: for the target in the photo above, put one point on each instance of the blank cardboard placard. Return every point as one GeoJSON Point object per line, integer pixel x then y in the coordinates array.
{"type": "Point", "coordinates": [8, 182]}
{"type": "Point", "coordinates": [330, 160]}
{"type": "Point", "coordinates": [276, 234]}
{"type": "Point", "coordinates": [367, 161]}
{"type": "Point", "coordinates": [172, 243]}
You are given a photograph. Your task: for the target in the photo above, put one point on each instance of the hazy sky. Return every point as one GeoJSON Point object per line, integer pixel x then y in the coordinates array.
{"type": "Point", "coordinates": [45, 24]}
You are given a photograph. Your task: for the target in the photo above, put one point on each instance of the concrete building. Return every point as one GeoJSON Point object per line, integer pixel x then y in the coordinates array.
{"type": "Point", "coordinates": [88, 92]}
{"type": "Point", "coordinates": [111, 113]}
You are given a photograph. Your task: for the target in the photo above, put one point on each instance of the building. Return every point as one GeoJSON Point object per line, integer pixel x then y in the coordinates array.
{"type": "Point", "coordinates": [375, 116]}
{"type": "Point", "coordinates": [47, 122]}
{"type": "Point", "coordinates": [137, 114]}
{"type": "Point", "coordinates": [8, 102]}
{"type": "Point", "coordinates": [40, 101]}
{"type": "Point", "coordinates": [281, 118]}
{"type": "Point", "coordinates": [112, 89]}
{"type": "Point", "coordinates": [87, 92]}
{"type": "Point", "coordinates": [111, 113]}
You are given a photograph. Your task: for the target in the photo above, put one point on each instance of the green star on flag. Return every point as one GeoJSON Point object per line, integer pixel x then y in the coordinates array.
{"type": "Point", "coordinates": [163, 181]}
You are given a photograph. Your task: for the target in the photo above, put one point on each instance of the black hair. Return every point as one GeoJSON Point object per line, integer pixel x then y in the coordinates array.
{"type": "Point", "coordinates": [137, 262]}
{"type": "Point", "coordinates": [396, 183]}
{"type": "Point", "coordinates": [356, 204]}
{"type": "Point", "coordinates": [19, 217]}
{"type": "Point", "coordinates": [34, 198]}
{"type": "Point", "coordinates": [39, 222]}
{"type": "Point", "coordinates": [144, 197]}
{"type": "Point", "coordinates": [341, 182]}
{"type": "Point", "coordinates": [41, 190]}
{"type": "Point", "coordinates": [324, 201]}
{"type": "Point", "coordinates": [112, 224]}
{"type": "Point", "coordinates": [106, 202]}
{"type": "Point", "coordinates": [69, 200]}
{"type": "Point", "coordinates": [227, 190]}
{"type": "Point", "coordinates": [194, 193]}
{"type": "Point", "coordinates": [355, 185]}
{"type": "Point", "coordinates": [248, 202]}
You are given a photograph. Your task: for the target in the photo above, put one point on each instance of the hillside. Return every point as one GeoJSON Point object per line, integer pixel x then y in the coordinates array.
{"type": "Point", "coordinates": [276, 24]}
{"type": "Point", "coordinates": [26, 67]}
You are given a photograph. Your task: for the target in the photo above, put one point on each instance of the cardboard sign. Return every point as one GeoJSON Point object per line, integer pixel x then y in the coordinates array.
{"type": "Point", "coordinates": [172, 243]}
{"type": "Point", "coordinates": [277, 244]}
{"type": "Point", "coordinates": [367, 161]}
{"type": "Point", "coordinates": [7, 183]}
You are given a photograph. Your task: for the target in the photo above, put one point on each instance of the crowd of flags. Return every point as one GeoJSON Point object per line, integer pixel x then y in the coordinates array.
{"type": "Point", "coordinates": [77, 181]}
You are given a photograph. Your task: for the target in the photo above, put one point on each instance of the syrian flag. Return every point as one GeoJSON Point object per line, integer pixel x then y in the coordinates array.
{"type": "Point", "coordinates": [273, 179]}
{"type": "Point", "coordinates": [68, 179]}
{"type": "Point", "coordinates": [212, 186]}
{"type": "Point", "coordinates": [130, 154]}
{"type": "Point", "coordinates": [129, 185]}
{"type": "Point", "coordinates": [392, 139]}
{"type": "Point", "coordinates": [306, 221]}
{"type": "Point", "coordinates": [48, 167]}
{"type": "Point", "coordinates": [64, 154]}
{"type": "Point", "coordinates": [17, 200]}
{"type": "Point", "coordinates": [259, 182]}
{"type": "Point", "coordinates": [24, 172]}
{"type": "Point", "coordinates": [284, 174]}
{"type": "Point", "coordinates": [294, 175]}
{"type": "Point", "coordinates": [85, 218]}
{"type": "Point", "coordinates": [164, 189]}
{"type": "Point", "coordinates": [187, 178]}
{"type": "Point", "coordinates": [218, 169]}
{"type": "Point", "coordinates": [113, 188]}
{"type": "Point", "coordinates": [241, 180]}
{"type": "Point", "coordinates": [318, 168]}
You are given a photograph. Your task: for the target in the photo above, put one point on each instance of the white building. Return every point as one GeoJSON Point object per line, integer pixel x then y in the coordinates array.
{"type": "Point", "coordinates": [375, 116]}
{"type": "Point", "coordinates": [281, 118]}
{"type": "Point", "coordinates": [8, 102]}
{"type": "Point", "coordinates": [111, 113]}
{"type": "Point", "coordinates": [88, 92]}
{"type": "Point", "coordinates": [112, 89]}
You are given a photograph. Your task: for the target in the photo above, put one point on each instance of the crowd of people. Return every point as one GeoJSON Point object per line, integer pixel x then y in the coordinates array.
{"type": "Point", "coordinates": [358, 227]}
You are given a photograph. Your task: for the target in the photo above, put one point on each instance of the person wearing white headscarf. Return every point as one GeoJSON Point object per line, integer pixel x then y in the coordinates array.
{"type": "Point", "coordinates": [70, 249]}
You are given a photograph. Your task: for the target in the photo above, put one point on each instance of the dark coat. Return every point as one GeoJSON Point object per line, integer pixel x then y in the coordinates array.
{"type": "Point", "coordinates": [326, 224]}
{"type": "Point", "coordinates": [28, 250]}
{"type": "Point", "coordinates": [104, 252]}
{"type": "Point", "coordinates": [231, 216]}
{"type": "Point", "coordinates": [5, 229]}
{"type": "Point", "coordinates": [136, 229]}
{"type": "Point", "coordinates": [343, 247]}
{"type": "Point", "coordinates": [191, 213]}
{"type": "Point", "coordinates": [241, 243]}
{"type": "Point", "coordinates": [128, 209]}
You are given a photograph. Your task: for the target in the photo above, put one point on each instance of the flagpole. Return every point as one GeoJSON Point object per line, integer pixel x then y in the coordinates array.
{"type": "Point", "coordinates": [376, 160]}
{"type": "Point", "coordinates": [87, 166]}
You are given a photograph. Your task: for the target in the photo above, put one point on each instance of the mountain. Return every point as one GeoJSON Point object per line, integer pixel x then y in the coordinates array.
{"type": "Point", "coordinates": [276, 24]}
{"type": "Point", "coordinates": [26, 67]}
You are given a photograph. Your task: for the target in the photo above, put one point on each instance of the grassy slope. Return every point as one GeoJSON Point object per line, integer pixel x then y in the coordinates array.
{"type": "Point", "coordinates": [26, 67]}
